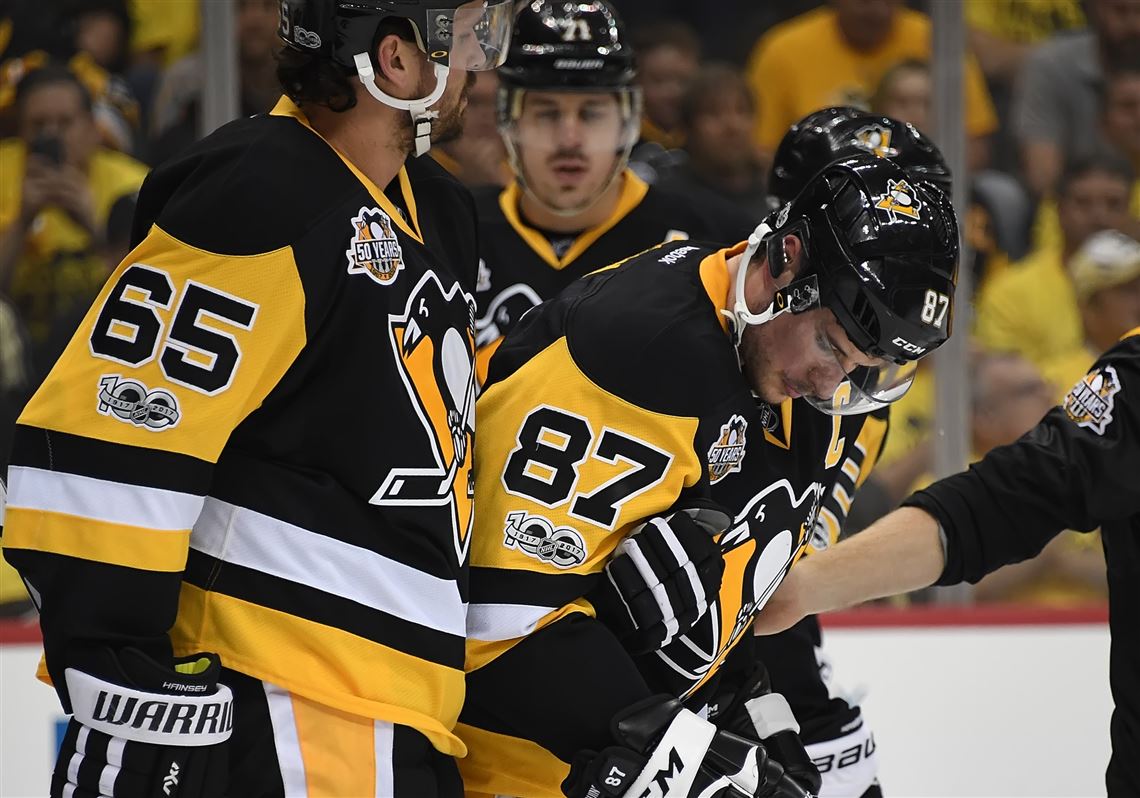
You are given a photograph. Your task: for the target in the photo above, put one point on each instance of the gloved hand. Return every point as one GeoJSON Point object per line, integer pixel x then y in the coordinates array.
{"type": "Point", "coordinates": [661, 578]}
{"type": "Point", "coordinates": [667, 751]}
{"type": "Point", "coordinates": [142, 729]}
{"type": "Point", "coordinates": [752, 710]}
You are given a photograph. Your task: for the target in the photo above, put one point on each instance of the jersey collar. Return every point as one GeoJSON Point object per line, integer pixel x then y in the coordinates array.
{"type": "Point", "coordinates": [411, 226]}
{"type": "Point", "coordinates": [633, 191]}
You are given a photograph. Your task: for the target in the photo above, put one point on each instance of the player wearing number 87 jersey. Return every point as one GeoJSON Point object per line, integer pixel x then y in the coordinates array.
{"type": "Point", "coordinates": [634, 393]}
{"type": "Point", "coordinates": [259, 442]}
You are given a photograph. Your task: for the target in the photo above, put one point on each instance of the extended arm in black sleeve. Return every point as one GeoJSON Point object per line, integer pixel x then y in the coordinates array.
{"type": "Point", "coordinates": [1075, 470]}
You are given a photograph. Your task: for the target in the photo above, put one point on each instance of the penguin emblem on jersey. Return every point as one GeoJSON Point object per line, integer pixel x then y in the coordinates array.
{"type": "Point", "coordinates": [374, 249]}
{"type": "Point", "coordinates": [899, 200]}
{"type": "Point", "coordinates": [876, 139]}
{"type": "Point", "coordinates": [727, 453]}
{"type": "Point", "coordinates": [1090, 402]}
{"type": "Point", "coordinates": [759, 548]}
{"type": "Point", "coordinates": [437, 364]}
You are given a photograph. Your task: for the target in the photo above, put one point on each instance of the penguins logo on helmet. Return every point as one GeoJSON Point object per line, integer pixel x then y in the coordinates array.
{"type": "Point", "coordinates": [900, 200]}
{"type": "Point", "coordinates": [876, 139]}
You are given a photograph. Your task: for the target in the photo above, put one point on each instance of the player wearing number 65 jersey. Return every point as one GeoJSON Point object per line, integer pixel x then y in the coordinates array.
{"type": "Point", "coordinates": [653, 386]}
{"type": "Point", "coordinates": [258, 444]}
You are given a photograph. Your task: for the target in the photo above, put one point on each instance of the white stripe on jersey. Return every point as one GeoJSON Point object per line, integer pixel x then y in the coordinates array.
{"type": "Point", "coordinates": [101, 500]}
{"type": "Point", "coordinates": [493, 622]}
{"type": "Point", "coordinates": [247, 538]}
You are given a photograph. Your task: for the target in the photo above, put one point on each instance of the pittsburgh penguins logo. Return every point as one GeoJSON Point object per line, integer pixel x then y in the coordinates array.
{"type": "Point", "coordinates": [1091, 401]}
{"type": "Point", "coordinates": [434, 344]}
{"type": "Point", "coordinates": [765, 539]}
{"type": "Point", "coordinates": [504, 312]}
{"type": "Point", "coordinates": [374, 249]}
{"type": "Point", "coordinates": [900, 200]}
{"type": "Point", "coordinates": [876, 139]}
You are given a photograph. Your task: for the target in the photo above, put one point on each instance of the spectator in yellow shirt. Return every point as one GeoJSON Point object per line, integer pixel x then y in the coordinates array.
{"type": "Point", "coordinates": [836, 55]}
{"type": "Point", "coordinates": [1031, 307]}
{"type": "Point", "coordinates": [1003, 32]}
{"type": "Point", "coordinates": [57, 187]}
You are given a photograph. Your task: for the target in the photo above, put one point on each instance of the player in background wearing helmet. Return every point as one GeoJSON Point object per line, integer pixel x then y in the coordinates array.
{"type": "Point", "coordinates": [684, 374]}
{"type": "Point", "coordinates": [837, 738]}
{"type": "Point", "coordinates": [245, 590]}
{"type": "Point", "coordinates": [569, 113]}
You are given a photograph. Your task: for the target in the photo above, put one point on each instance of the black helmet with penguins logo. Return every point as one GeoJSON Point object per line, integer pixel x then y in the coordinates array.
{"type": "Point", "coordinates": [830, 134]}
{"type": "Point", "coordinates": [884, 248]}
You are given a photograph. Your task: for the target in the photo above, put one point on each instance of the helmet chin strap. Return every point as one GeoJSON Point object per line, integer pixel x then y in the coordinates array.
{"type": "Point", "coordinates": [740, 315]}
{"type": "Point", "coordinates": [421, 116]}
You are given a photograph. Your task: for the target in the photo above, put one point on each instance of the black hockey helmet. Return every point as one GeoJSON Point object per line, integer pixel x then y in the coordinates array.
{"type": "Point", "coordinates": [338, 30]}
{"type": "Point", "coordinates": [833, 133]}
{"type": "Point", "coordinates": [881, 252]}
{"type": "Point", "coordinates": [469, 34]}
{"type": "Point", "coordinates": [568, 44]}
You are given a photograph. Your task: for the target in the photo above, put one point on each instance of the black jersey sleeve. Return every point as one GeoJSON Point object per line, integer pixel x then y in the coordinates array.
{"type": "Point", "coordinates": [1075, 470]}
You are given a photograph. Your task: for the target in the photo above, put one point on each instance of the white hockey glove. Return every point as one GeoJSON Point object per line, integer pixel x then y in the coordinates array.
{"type": "Point", "coordinates": [152, 731]}
{"type": "Point", "coordinates": [667, 751]}
{"type": "Point", "coordinates": [662, 577]}
{"type": "Point", "coordinates": [752, 710]}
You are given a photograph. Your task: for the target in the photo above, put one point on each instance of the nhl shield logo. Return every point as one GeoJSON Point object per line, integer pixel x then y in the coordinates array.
{"type": "Point", "coordinates": [727, 453]}
{"type": "Point", "coordinates": [1090, 402]}
{"type": "Point", "coordinates": [374, 249]}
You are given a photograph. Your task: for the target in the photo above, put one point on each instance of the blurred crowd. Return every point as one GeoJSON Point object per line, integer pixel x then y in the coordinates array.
{"type": "Point", "coordinates": [93, 93]}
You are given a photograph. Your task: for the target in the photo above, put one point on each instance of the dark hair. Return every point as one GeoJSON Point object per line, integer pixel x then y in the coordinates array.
{"type": "Point", "coordinates": [1128, 67]}
{"type": "Point", "coordinates": [666, 34]}
{"type": "Point", "coordinates": [306, 78]}
{"type": "Point", "coordinates": [1104, 162]}
{"type": "Point", "coordinates": [712, 79]}
{"type": "Point", "coordinates": [71, 11]}
{"type": "Point", "coordinates": [50, 75]}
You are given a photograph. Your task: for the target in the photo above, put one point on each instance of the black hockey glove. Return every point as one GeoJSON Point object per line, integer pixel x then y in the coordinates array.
{"type": "Point", "coordinates": [661, 579]}
{"type": "Point", "coordinates": [151, 731]}
{"type": "Point", "coordinates": [667, 751]}
{"type": "Point", "coordinates": [752, 710]}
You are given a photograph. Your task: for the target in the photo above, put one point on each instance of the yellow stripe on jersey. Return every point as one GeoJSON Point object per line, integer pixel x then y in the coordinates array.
{"type": "Point", "coordinates": [499, 764]}
{"type": "Point", "coordinates": [714, 278]}
{"type": "Point", "coordinates": [633, 191]}
{"type": "Point", "coordinates": [286, 107]}
{"type": "Point", "coordinates": [99, 541]}
{"type": "Point", "coordinates": [72, 397]}
{"type": "Point", "coordinates": [357, 675]}
{"type": "Point", "coordinates": [1130, 333]}
{"type": "Point", "coordinates": [338, 750]}
{"type": "Point", "coordinates": [871, 438]}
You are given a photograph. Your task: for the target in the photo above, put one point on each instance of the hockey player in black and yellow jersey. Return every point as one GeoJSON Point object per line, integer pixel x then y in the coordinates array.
{"type": "Point", "coordinates": [259, 442]}
{"type": "Point", "coordinates": [568, 112]}
{"type": "Point", "coordinates": [651, 387]}
{"type": "Point", "coordinates": [832, 727]}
